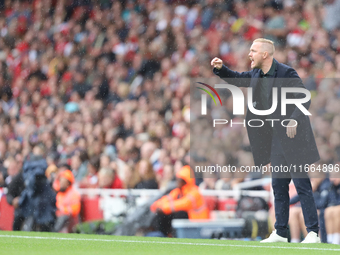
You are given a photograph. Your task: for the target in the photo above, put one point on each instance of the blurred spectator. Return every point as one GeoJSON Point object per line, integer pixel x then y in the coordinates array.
{"type": "Point", "coordinates": [79, 166]}
{"type": "Point", "coordinates": [331, 18]}
{"type": "Point", "coordinates": [168, 176]}
{"type": "Point", "coordinates": [332, 211]}
{"type": "Point", "coordinates": [7, 102]}
{"type": "Point", "coordinates": [131, 177]}
{"type": "Point", "coordinates": [274, 27]}
{"type": "Point", "coordinates": [37, 194]}
{"type": "Point", "coordinates": [147, 177]}
{"type": "Point", "coordinates": [15, 187]}
{"type": "Point", "coordinates": [68, 201]}
{"type": "Point", "coordinates": [183, 202]}
{"type": "Point", "coordinates": [91, 179]}
{"type": "Point", "coordinates": [13, 168]}
{"type": "Point", "coordinates": [108, 179]}
{"type": "Point", "coordinates": [320, 184]}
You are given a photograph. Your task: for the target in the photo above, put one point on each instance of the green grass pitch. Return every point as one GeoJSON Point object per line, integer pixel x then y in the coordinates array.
{"type": "Point", "coordinates": [28, 243]}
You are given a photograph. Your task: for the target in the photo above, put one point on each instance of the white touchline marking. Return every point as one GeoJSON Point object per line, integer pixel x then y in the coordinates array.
{"type": "Point", "coordinates": [159, 242]}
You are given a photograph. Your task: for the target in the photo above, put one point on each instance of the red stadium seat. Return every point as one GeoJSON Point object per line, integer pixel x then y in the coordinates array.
{"type": "Point", "coordinates": [6, 214]}
{"type": "Point", "coordinates": [228, 204]}
{"type": "Point", "coordinates": [211, 202]}
{"type": "Point", "coordinates": [90, 209]}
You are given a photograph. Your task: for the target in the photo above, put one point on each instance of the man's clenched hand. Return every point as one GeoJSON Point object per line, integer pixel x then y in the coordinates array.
{"type": "Point", "coordinates": [217, 63]}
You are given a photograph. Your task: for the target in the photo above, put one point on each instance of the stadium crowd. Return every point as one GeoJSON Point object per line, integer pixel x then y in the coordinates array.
{"type": "Point", "coordinates": [104, 86]}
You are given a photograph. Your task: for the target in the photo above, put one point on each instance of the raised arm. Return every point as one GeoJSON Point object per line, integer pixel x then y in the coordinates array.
{"type": "Point", "coordinates": [232, 77]}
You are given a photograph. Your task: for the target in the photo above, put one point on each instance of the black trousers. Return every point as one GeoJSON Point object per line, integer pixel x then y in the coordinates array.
{"type": "Point", "coordinates": [61, 222]}
{"type": "Point", "coordinates": [31, 225]}
{"type": "Point", "coordinates": [18, 221]}
{"type": "Point", "coordinates": [162, 221]}
{"type": "Point", "coordinates": [280, 184]}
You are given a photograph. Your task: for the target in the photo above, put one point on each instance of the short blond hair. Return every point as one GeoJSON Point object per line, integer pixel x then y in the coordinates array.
{"type": "Point", "coordinates": [268, 45]}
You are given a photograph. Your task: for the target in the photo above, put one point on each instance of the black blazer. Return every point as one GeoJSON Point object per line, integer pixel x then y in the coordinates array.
{"type": "Point", "coordinates": [299, 150]}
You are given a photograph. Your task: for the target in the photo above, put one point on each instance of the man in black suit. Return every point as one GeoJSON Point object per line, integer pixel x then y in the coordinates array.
{"type": "Point", "coordinates": [291, 145]}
